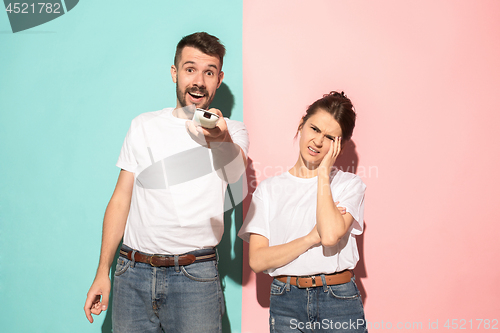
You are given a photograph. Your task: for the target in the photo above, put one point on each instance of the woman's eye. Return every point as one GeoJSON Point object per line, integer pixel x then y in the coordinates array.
{"type": "Point", "coordinates": [329, 137]}
{"type": "Point", "coordinates": [315, 129]}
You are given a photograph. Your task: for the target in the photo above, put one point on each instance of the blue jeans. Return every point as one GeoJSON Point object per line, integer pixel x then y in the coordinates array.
{"type": "Point", "coordinates": [163, 299]}
{"type": "Point", "coordinates": [336, 308]}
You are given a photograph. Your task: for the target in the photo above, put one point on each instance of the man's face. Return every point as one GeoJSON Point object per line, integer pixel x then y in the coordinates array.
{"type": "Point", "coordinates": [197, 77]}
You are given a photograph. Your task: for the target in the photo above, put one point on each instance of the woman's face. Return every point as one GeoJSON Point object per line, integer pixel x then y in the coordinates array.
{"type": "Point", "coordinates": [316, 136]}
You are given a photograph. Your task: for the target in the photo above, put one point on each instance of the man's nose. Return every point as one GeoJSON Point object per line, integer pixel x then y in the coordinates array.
{"type": "Point", "coordinates": [199, 80]}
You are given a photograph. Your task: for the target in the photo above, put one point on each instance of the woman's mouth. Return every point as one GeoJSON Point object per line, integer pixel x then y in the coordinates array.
{"type": "Point", "coordinates": [313, 150]}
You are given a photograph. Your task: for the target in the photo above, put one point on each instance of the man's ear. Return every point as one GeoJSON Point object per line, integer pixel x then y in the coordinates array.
{"type": "Point", "coordinates": [173, 72]}
{"type": "Point", "coordinates": [221, 77]}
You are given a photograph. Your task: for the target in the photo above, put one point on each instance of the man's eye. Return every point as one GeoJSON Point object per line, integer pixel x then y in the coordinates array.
{"type": "Point", "coordinates": [210, 73]}
{"type": "Point", "coordinates": [190, 70]}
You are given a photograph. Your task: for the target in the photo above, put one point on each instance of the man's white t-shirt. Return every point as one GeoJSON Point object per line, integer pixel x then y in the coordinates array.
{"type": "Point", "coordinates": [283, 208]}
{"type": "Point", "coordinates": [177, 202]}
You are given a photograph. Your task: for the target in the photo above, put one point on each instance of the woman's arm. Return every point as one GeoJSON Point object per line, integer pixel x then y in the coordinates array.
{"type": "Point", "coordinates": [332, 225]}
{"type": "Point", "coordinates": [262, 256]}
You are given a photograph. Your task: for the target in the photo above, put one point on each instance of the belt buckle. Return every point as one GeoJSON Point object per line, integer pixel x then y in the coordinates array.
{"type": "Point", "coordinates": [313, 281]}
{"type": "Point", "coordinates": [151, 260]}
{"type": "Point", "coordinates": [313, 278]}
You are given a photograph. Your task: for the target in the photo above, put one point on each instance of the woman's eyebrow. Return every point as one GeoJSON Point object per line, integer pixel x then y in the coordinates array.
{"type": "Point", "coordinates": [330, 136]}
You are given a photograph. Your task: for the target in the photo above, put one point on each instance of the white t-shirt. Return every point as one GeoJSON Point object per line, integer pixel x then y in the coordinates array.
{"type": "Point", "coordinates": [283, 208]}
{"type": "Point", "coordinates": [178, 200]}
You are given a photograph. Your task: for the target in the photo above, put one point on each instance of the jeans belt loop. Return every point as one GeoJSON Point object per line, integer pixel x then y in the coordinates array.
{"type": "Point", "coordinates": [176, 263]}
{"type": "Point", "coordinates": [323, 279]}
{"type": "Point", "coordinates": [288, 278]}
{"type": "Point", "coordinates": [133, 258]}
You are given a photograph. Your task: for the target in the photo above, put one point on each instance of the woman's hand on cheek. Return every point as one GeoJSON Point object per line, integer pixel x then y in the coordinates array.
{"type": "Point", "coordinates": [331, 156]}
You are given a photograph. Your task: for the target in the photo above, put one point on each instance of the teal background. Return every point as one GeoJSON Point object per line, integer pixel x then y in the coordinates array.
{"type": "Point", "coordinates": [69, 89]}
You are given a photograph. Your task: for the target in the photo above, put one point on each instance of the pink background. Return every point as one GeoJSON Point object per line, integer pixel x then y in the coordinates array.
{"type": "Point", "coordinates": [424, 77]}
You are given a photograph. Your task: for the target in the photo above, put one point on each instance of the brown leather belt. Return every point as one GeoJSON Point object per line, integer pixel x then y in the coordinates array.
{"type": "Point", "coordinates": [157, 260]}
{"type": "Point", "coordinates": [315, 281]}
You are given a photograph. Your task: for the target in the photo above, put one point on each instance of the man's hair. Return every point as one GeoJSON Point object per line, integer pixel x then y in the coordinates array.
{"type": "Point", "coordinates": [339, 107]}
{"type": "Point", "coordinates": [203, 42]}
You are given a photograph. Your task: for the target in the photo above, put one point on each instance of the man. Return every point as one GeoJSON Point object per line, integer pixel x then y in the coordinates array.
{"type": "Point", "coordinates": [168, 206]}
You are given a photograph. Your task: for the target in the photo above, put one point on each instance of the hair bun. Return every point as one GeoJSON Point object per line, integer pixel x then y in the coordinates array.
{"type": "Point", "coordinates": [336, 94]}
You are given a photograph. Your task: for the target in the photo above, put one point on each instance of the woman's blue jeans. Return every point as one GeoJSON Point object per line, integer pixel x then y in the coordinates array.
{"type": "Point", "coordinates": [336, 308]}
{"type": "Point", "coordinates": [165, 299]}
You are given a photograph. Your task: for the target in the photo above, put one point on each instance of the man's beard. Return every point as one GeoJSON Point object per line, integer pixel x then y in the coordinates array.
{"type": "Point", "coordinates": [181, 96]}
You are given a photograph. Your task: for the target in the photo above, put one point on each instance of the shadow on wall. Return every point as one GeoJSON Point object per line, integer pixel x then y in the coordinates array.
{"type": "Point", "coordinates": [263, 281]}
{"type": "Point", "coordinates": [224, 100]}
{"type": "Point", "coordinates": [348, 162]}
{"type": "Point", "coordinates": [229, 266]}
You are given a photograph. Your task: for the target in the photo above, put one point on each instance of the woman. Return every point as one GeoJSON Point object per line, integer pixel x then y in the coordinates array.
{"type": "Point", "coordinates": [298, 235]}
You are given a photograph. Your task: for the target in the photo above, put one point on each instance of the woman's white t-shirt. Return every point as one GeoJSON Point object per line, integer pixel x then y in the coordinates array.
{"type": "Point", "coordinates": [283, 208]}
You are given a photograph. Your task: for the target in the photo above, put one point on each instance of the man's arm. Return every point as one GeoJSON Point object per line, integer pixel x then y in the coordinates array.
{"type": "Point", "coordinates": [115, 219]}
{"type": "Point", "coordinates": [229, 159]}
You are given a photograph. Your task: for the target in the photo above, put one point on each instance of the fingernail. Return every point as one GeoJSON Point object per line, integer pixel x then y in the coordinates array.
{"type": "Point", "coordinates": [104, 307]}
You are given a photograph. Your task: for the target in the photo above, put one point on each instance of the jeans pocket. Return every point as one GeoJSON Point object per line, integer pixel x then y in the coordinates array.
{"type": "Point", "coordinates": [277, 288]}
{"type": "Point", "coordinates": [347, 290]}
{"type": "Point", "coordinates": [122, 265]}
{"type": "Point", "coordinates": [202, 271]}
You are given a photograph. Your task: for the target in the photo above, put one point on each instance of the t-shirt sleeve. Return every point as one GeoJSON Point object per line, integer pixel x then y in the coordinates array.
{"type": "Point", "coordinates": [127, 160]}
{"type": "Point", "coordinates": [256, 220]}
{"type": "Point", "coordinates": [239, 134]}
{"type": "Point", "coordinates": [353, 199]}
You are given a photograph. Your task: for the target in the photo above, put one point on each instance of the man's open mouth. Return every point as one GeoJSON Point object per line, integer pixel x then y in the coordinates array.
{"type": "Point", "coordinates": [196, 94]}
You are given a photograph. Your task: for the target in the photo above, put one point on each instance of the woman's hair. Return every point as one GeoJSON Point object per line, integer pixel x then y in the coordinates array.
{"type": "Point", "coordinates": [339, 107]}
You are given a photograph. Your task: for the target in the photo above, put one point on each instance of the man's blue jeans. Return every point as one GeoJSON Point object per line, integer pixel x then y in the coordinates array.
{"type": "Point", "coordinates": [336, 308]}
{"type": "Point", "coordinates": [155, 299]}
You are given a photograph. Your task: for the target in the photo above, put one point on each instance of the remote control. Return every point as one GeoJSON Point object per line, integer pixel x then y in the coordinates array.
{"type": "Point", "coordinates": [205, 118]}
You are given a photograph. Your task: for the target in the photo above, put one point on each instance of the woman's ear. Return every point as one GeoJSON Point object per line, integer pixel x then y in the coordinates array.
{"type": "Point", "coordinates": [299, 129]}
{"type": "Point", "coordinates": [301, 124]}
